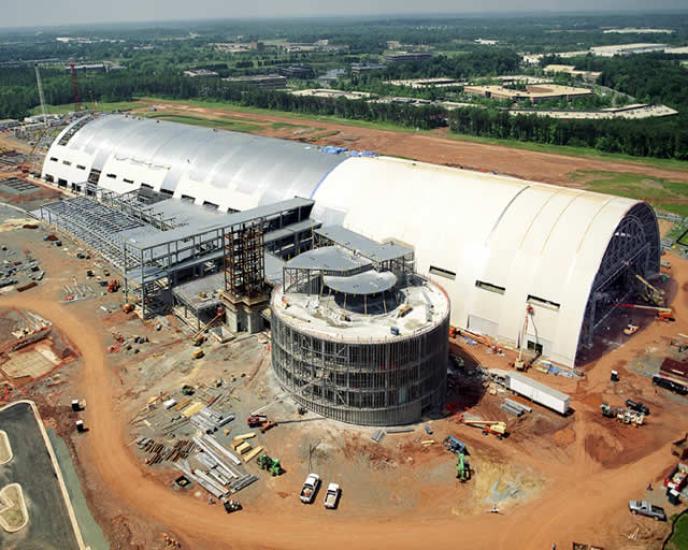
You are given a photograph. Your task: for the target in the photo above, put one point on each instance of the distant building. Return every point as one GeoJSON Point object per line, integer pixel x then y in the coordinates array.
{"type": "Point", "coordinates": [7, 123]}
{"type": "Point", "coordinates": [626, 49]}
{"type": "Point", "coordinates": [104, 67]}
{"type": "Point", "coordinates": [330, 93]}
{"type": "Point", "coordinates": [588, 76]}
{"type": "Point", "coordinates": [264, 81]}
{"type": "Point", "coordinates": [533, 93]}
{"type": "Point", "coordinates": [303, 72]}
{"type": "Point", "coordinates": [200, 73]}
{"type": "Point", "coordinates": [358, 68]}
{"type": "Point", "coordinates": [419, 83]}
{"type": "Point", "coordinates": [486, 42]}
{"type": "Point", "coordinates": [404, 57]}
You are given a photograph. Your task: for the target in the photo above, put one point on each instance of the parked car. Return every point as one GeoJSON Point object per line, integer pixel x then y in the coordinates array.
{"type": "Point", "coordinates": [310, 488]}
{"type": "Point", "coordinates": [644, 508]}
{"type": "Point", "coordinates": [332, 496]}
{"type": "Point", "coordinates": [638, 407]}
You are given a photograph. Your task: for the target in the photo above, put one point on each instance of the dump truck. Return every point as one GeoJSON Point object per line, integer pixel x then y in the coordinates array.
{"type": "Point", "coordinates": [679, 448]}
{"type": "Point", "coordinates": [538, 393]}
{"type": "Point", "coordinates": [644, 508]}
{"type": "Point", "coordinates": [310, 488]}
{"type": "Point", "coordinates": [332, 496]}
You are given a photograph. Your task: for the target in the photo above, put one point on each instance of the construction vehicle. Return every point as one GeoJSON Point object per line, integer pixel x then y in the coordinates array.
{"type": "Point", "coordinates": [661, 313]}
{"type": "Point", "coordinates": [631, 329]}
{"type": "Point", "coordinates": [463, 469]}
{"type": "Point", "coordinates": [270, 464]}
{"type": "Point", "coordinates": [455, 445]}
{"type": "Point", "coordinates": [256, 420]}
{"type": "Point", "coordinates": [679, 448]}
{"type": "Point", "coordinates": [495, 427]}
{"type": "Point", "coordinates": [332, 496]}
{"type": "Point", "coordinates": [638, 407]}
{"type": "Point", "coordinates": [650, 293]}
{"type": "Point", "coordinates": [677, 478]}
{"type": "Point", "coordinates": [232, 506]}
{"type": "Point", "coordinates": [624, 415]}
{"type": "Point", "coordinates": [310, 488]}
{"type": "Point", "coordinates": [520, 363]}
{"type": "Point", "coordinates": [113, 286]}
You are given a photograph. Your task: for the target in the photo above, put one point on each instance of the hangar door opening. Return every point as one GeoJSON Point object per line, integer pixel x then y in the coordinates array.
{"type": "Point", "coordinates": [633, 250]}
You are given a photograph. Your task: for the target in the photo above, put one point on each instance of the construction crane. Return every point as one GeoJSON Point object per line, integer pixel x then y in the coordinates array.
{"type": "Point", "coordinates": [41, 95]}
{"type": "Point", "coordinates": [520, 363]}
{"type": "Point", "coordinates": [496, 427]}
{"type": "Point", "coordinates": [662, 313]}
{"type": "Point", "coordinates": [650, 293]}
{"type": "Point", "coordinates": [75, 88]}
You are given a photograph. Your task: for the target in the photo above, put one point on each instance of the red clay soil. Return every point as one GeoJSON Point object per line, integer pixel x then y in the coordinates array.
{"type": "Point", "coordinates": [435, 147]}
{"type": "Point", "coordinates": [584, 499]}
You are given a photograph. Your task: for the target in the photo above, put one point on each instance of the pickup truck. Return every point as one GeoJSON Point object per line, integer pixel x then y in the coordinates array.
{"type": "Point", "coordinates": [332, 496]}
{"type": "Point", "coordinates": [310, 488]}
{"type": "Point", "coordinates": [644, 508]}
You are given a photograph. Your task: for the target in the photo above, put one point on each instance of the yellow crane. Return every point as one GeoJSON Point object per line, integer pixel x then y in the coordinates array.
{"type": "Point", "coordinates": [496, 427]}
{"type": "Point", "coordinates": [651, 293]}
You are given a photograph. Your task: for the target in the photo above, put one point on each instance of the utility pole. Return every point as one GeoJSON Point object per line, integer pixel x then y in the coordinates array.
{"type": "Point", "coordinates": [41, 95]}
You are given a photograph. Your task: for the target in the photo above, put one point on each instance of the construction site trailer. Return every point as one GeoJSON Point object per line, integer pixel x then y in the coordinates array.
{"type": "Point", "coordinates": [539, 393]}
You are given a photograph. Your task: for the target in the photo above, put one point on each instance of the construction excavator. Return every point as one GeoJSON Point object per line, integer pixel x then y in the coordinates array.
{"type": "Point", "coordinates": [463, 469]}
{"type": "Point", "coordinates": [495, 427]}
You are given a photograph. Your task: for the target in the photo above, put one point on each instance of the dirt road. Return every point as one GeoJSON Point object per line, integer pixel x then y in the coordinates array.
{"type": "Point", "coordinates": [581, 502]}
{"type": "Point", "coordinates": [435, 147]}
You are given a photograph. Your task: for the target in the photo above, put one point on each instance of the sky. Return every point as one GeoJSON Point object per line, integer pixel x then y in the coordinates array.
{"type": "Point", "coordinates": [36, 13]}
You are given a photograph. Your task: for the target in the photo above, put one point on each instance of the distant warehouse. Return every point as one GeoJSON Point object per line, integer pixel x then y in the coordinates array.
{"type": "Point", "coordinates": [264, 81]}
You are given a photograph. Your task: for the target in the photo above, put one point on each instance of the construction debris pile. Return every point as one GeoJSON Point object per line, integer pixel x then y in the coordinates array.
{"type": "Point", "coordinates": [20, 274]}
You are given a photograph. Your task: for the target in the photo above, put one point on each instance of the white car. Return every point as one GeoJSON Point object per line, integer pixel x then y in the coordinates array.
{"type": "Point", "coordinates": [332, 496]}
{"type": "Point", "coordinates": [310, 488]}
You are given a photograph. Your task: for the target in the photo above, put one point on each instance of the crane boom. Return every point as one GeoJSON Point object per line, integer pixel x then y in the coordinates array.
{"type": "Point", "coordinates": [41, 95]}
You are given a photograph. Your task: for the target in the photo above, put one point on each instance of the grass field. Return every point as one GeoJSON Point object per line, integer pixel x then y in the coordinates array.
{"type": "Point", "coordinates": [586, 152]}
{"type": "Point", "coordinates": [98, 106]}
{"type": "Point", "coordinates": [236, 126]}
{"type": "Point", "coordinates": [679, 540]}
{"type": "Point", "coordinates": [663, 194]}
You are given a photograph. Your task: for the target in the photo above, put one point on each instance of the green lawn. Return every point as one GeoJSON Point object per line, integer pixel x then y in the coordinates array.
{"type": "Point", "coordinates": [587, 152]}
{"type": "Point", "coordinates": [236, 126]}
{"type": "Point", "coordinates": [663, 194]}
{"type": "Point", "coordinates": [99, 106]}
{"type": "Point", "coordinates": [679, 540]}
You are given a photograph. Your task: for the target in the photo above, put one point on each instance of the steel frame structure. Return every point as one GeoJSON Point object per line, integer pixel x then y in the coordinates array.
{"type": "Point", "coordinates": [633, 249]}
{"type": "Point", "coordinates": [244, 262]}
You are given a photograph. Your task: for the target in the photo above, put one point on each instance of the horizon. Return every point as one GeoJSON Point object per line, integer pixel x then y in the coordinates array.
{"type": "Point", "coordinates": [467, 12]}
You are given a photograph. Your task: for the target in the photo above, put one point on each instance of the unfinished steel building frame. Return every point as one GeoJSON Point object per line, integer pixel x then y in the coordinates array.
{"type": "Point", "coordinates": [355, 341]}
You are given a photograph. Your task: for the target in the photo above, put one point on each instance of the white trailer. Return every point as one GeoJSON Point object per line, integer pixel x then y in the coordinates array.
{"type": "Point", "coordinates": [538, 393]}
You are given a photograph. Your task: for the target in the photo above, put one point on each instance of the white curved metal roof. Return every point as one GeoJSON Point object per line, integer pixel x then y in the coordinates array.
{"type": "Point", "coordinates": [524, 238]}
{"type": "Point", "coordinates": [495, 243]}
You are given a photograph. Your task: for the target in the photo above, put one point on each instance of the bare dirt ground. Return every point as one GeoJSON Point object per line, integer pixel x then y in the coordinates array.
{"type": "Point", "coordinates": [435, 147]}
{"type": "Point", "coordinates": [578, 472]}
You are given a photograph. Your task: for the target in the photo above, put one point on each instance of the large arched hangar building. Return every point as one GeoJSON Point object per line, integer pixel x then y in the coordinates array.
{"type": "Point", "coordinates": [498, 245]}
